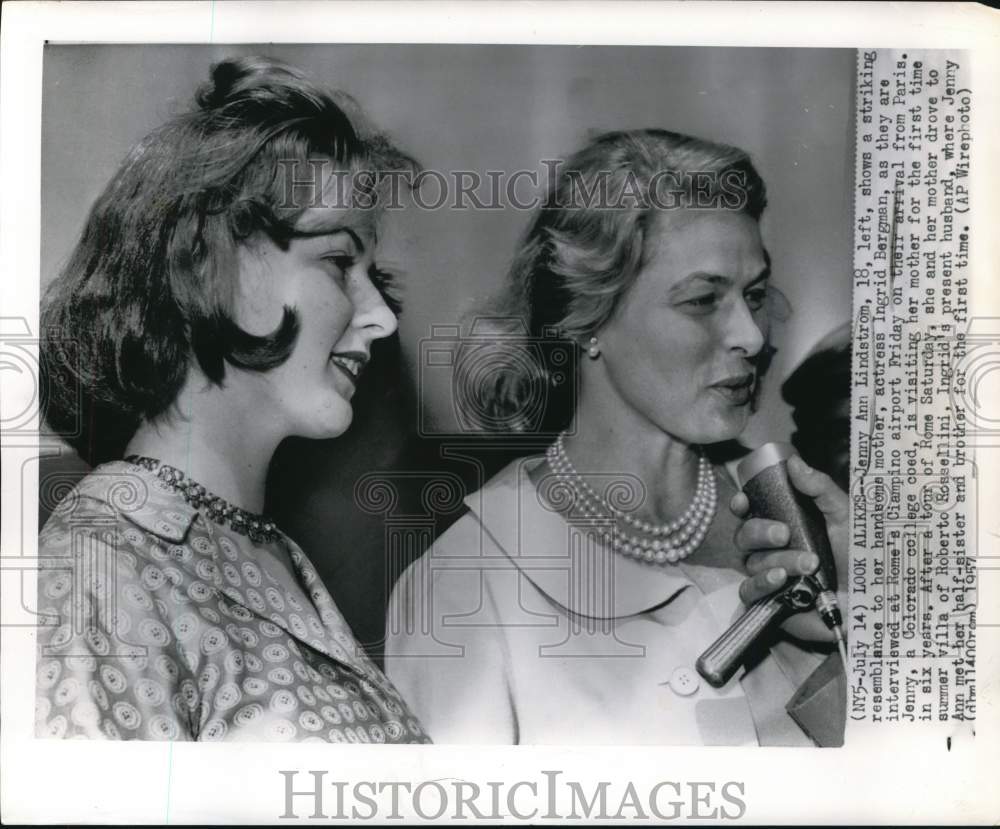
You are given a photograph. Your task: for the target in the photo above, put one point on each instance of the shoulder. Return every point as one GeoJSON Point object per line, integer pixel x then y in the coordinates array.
{"type": "Point", "coordinates": [474, 568]}
{"type": "Point", "coordinates": [121, 495]}
{"type": "Point", "coordinates": [479, 534]}
{"type": "Point", "coordinates": [439, 573]}
{"type": "Point", "coordinates": [119, 536]}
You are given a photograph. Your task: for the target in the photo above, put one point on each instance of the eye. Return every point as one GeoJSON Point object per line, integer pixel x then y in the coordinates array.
{"type": "Point", "coordinates": [701, 304]}
{"type": "Point", "coordinates": [756, 297]}
{"type": "Point", "coordinates": [380, 277]}
{"type": "Point", "coordinates": [385, 283]}
{"type": "Point", "coordinates": [343, 262]}
{"type": "Point", "coordinates": [706, 299]}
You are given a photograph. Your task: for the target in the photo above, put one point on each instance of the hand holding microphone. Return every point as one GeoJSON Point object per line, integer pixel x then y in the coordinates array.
{"type": "Point", "coordinates": [772, 562]}
{"type": "Point", "coordinates": [794, 505]}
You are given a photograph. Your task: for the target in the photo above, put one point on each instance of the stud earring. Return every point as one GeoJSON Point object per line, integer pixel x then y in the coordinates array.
{"type": "Point", "coordinates": [593, 351]}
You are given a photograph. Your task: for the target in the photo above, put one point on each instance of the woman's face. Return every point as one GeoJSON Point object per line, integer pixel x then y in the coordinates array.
{"type": "Point", "coordinates": [681, 345]}
{"type": "Point", "coordinates": [326, 276]}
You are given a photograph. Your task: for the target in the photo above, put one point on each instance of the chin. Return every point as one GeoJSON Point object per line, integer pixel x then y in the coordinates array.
{"type": "Point", "coordinates": [328, 425]}
{"type": "Point", "coordinates": [716, 427]}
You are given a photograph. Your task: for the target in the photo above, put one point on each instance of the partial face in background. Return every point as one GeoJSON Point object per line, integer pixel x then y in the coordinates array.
{"type": "Point", "coordinates": [328, 276]}
{"type": "Point", "coordinates": [681, 347]}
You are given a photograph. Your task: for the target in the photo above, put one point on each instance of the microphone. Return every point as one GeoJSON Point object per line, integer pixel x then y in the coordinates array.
{"type": "Point", "coordinates": [763, 477]}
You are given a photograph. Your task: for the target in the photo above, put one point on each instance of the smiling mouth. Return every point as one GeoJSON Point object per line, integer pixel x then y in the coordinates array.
{"type": "Point", "coordinates": [351, 364]}
{"type": "Point", "coordinates": [736, 390]}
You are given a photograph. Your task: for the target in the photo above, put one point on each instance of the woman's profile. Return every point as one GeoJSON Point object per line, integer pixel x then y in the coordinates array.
{"type": "Point", "coordinates": [570, 604]}
{"type": "Point", "coordinates": [217, 306]}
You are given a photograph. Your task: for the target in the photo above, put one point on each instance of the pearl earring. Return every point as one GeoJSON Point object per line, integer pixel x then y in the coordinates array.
{"type": "Point", "coordinates": [593, 351]}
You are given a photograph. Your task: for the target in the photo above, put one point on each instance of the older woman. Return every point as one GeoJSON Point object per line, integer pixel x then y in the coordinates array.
{"type": "Point", "coordinates": [224, 295]}
{"type": "Point", "coordinates": [571, 602]}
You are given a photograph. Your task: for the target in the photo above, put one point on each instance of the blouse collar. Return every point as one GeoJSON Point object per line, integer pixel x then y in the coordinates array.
{"type": "Point", "coordinates": [139, 496]}
{"type": "Point", "coordinates": [549, 551]}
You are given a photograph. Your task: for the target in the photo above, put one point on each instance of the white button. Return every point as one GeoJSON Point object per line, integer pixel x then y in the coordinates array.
{"type": "Point", "coordinates": [684, 682]}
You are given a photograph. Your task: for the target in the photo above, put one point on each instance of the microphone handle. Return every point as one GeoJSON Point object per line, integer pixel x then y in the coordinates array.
{"type": "Point", "coordinates": [718, 664]}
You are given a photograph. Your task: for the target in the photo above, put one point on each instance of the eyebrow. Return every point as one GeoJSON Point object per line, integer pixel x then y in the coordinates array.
{"type": "Point", "coordinates": [331, 230]}
{"type": "Point", "coordinates": [718, 279]}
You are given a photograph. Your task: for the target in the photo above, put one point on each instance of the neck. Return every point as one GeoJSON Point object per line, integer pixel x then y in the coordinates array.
{"type": "Point", "coordinates": [622, 442]}
{"type": "Point", "coordinates": [212, 441]}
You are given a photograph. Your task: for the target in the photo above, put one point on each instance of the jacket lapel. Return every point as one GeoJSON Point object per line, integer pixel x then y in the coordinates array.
{"type": "Point", "coordinates": [563, 555]}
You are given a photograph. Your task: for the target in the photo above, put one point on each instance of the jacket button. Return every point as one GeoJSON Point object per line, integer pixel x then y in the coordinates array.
{"type": "Point", "coordinates": [684, 682]}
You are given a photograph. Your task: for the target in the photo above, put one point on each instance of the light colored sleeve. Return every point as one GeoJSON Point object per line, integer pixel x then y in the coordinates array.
{"type": "Point", "coordinates": [107, 666]}
{"type": "Point", "coordinates": [446, 654]}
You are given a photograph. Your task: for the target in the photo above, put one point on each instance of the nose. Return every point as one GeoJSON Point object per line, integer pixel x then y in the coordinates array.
{"type": "Point", "coordinates": [372, 315]}
{"type": "Point", "coordinates": [743, 332]}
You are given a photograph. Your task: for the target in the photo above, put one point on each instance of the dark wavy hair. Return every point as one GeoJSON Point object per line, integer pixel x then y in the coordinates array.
{"type": "Point", "coordinates": [587, 243]}
{"type": "Point", "coordinates": [151, 281]}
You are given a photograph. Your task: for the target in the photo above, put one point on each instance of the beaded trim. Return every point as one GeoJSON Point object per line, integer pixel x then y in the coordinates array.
{"type": "Point", "coordinates": [259, 528]}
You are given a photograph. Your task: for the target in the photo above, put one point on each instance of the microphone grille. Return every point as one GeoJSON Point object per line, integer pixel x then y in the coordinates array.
{"type": "Point", "coordinates": [760, 459]}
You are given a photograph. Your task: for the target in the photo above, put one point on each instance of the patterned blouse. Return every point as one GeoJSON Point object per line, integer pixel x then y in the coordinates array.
{"type": "Point", "coordinates": [161, 619]}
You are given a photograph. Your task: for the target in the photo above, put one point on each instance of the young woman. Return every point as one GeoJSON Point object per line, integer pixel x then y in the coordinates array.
{"type": "Point", "coordinates": [572, 601]}
{"type": "Point", "coordinates": [224, 295]}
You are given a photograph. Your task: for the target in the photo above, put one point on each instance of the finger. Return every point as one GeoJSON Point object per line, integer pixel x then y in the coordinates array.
{"type": "Point", "coordinates": [739, 505]}
{"type": "Point", "coordinates": [764, 584]}
{"type": "Point", "coordinates": [829, 497]}
{"type": "Point", "coordinates": [761, 534]}
{"type": "Point", "coordinates": [794, 562]}
{"type": "Point", "coordinates": [808, 627]}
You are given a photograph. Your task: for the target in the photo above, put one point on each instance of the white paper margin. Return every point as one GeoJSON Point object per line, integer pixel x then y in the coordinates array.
{"type": "Point", "coordinates": [902, 780]}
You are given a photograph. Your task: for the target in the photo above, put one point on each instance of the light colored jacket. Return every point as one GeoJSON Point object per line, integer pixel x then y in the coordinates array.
{"type": "Point", "coordinates": [517, 626]}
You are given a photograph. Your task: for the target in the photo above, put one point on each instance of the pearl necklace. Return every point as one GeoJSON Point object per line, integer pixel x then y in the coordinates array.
{"type": "Point", "coordinates": [670, 542]}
